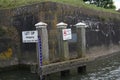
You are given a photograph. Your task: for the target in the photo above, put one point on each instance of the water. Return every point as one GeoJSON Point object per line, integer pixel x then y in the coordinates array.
{"type": "Point", "coordinates": [106, 69]}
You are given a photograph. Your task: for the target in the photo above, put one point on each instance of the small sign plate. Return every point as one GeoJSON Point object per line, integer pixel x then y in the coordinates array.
{"type": "Point", "coordinates": [67, 34]}
{"type": "Point", "coordinates": [30, 36]}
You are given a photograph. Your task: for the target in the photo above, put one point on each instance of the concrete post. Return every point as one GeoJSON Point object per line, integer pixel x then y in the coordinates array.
{"type": "Point", "coordinates": [62, 44]}
{"type": "Point", "coordinates": [43, 36]}
{"type": "Point", "coordinates": [81, 39]}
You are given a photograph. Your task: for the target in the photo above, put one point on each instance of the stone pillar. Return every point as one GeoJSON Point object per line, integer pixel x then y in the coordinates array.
{"type": "Point", "coordinates": [62, 44]}
{"type": "Point", "coordinates": [43, 37]}
{"type": "Point", "coordinates": [81, 39]}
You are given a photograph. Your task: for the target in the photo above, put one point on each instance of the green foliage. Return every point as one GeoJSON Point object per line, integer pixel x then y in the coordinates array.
{"type": "Point", "coordinates": [108, 4]}
{"type": "Point", "coordinates": [105, 4]}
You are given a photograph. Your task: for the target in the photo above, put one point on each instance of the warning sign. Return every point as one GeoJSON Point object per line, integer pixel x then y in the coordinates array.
{"type": "Point", "coordinates": [67, 34]}
{"type": "Point", "coordinates": [30, 36]}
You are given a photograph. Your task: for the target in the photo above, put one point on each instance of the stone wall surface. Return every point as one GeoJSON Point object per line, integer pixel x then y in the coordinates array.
{"type": "Point", "coordinates": [103, 29]}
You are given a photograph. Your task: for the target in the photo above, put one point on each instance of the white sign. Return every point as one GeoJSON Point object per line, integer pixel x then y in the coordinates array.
{"type": "Point", "coordinates": [66, 34]}
{"type": "Point", "coordinates": [30, 36]}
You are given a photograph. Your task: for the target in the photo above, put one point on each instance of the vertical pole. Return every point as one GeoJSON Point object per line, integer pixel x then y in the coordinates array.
{"type": "Point", "coordinates": [62, 44]}
{"type": "Point", "coordinates": [42, 47]}
{"type": "Point", "coordinates": [81, 39]}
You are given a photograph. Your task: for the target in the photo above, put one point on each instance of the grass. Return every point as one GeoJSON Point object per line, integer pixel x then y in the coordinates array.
{"type": "Point", "coordinates": [16, 3]}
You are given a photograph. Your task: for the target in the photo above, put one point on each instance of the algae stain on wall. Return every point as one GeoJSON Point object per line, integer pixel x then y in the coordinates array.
{"type": "Point", "coordinates": [6, 54]}
{"type": "Point", "coordinates": [7, 42]}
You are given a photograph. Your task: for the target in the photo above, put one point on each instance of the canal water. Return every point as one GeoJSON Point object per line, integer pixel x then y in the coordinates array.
{"type": "Point", "coordinates": [104, 69]}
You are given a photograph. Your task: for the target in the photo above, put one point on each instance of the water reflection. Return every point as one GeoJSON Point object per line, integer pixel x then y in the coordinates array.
{"type": "Point", "coordinates": [17, 75]}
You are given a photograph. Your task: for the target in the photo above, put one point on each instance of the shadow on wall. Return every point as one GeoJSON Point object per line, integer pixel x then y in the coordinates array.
{"type": "Point", "coordinates": [25, 22]}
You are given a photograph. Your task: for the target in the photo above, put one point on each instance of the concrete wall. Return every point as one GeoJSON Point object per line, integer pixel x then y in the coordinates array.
{"type": "Point", "coordinates": [103, 29]}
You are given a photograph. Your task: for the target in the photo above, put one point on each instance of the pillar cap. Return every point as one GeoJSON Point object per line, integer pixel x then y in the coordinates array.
{"type": "Point", "coordinates": [81, 24]}
{"type": "Point", "coordinates": [40, 25]}
{"type": "Point", "coordinates": [62, 25]}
